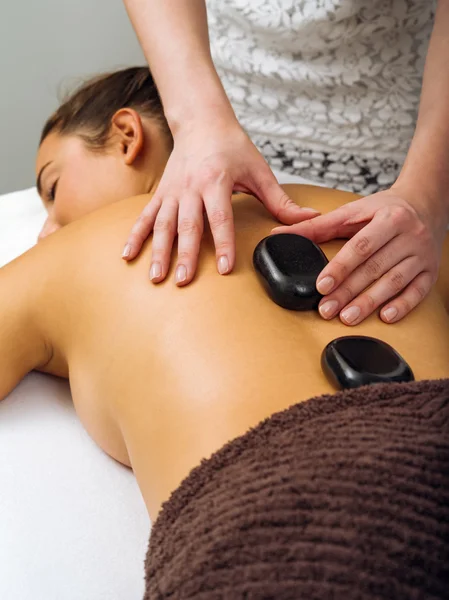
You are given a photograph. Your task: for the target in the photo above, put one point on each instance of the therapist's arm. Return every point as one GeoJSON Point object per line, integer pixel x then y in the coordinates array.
{"type": "Point", "coordinates": [393, 256]}
{"type": "Point", "coordinates": [212, 155]}
{"type": "Point", "coordinates": [175, 40]}
{"type": "Point", "coordinates": [425, 174]}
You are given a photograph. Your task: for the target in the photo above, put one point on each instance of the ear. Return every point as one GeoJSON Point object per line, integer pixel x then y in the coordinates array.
{"type": "Point", "coordinates": [126, 126]}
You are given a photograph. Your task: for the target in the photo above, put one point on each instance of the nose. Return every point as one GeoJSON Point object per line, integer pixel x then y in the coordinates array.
{"type": "Point", "coordinates": [48, 228]}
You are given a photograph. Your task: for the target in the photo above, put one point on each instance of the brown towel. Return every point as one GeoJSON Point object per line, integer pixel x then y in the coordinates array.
{"type": "Point", "coordinates": [340, 497]}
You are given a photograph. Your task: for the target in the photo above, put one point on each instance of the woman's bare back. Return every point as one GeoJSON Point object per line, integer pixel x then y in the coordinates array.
{"type": "Point", "coordinates": [163, 376]}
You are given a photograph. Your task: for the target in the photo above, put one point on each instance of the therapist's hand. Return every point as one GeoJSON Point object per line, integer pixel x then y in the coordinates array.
{"type": "Point", "coordinates": [208, 162]}
{"type": "Point", "coordinates": [391, 259]}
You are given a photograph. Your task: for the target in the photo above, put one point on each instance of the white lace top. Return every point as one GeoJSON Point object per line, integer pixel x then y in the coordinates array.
{"type": "Point", "coordinates": [331, 78]}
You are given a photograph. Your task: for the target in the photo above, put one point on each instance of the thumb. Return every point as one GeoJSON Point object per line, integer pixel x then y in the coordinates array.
{"type": "Point", "coordinates": [278, 202]}
{"type": "Point", "coordinates": [343, 222]}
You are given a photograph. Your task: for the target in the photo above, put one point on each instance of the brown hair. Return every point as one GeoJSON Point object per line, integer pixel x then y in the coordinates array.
{"type": "Point", "coordinates": [88, 110]}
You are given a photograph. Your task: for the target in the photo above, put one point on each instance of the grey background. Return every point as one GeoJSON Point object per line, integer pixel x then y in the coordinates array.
{"type": "Point", "coordinates": [44, 47]}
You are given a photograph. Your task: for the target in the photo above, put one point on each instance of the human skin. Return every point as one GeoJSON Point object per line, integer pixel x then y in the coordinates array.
{"type": "Point", "coordinates": [162, 376]}
{"type": "Point", "coordinates": [212, 156]}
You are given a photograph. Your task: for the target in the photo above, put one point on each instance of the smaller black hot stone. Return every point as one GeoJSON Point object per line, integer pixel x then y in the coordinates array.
{"type": "Point", "coordinates": [352, 361]}
{"type": "Point", "coordinates": [288, 266]}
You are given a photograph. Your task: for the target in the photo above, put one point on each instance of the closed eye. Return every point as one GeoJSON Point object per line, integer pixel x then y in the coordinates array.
{"type": "Point", "coordinates": [52, 192]}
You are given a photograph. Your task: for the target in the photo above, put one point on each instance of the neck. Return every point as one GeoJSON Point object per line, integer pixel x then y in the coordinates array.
{"type": "Point", "coordinates": [155, 158]}
{"type": "Point", "coordinates": [153, 183]}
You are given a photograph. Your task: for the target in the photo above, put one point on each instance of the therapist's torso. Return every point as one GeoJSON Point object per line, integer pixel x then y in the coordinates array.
{"type": "Point", "coordinates": [325, 80]}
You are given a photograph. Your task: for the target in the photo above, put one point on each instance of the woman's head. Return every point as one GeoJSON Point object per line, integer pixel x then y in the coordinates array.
{"type": "Point", "coordinates": [109, 140]}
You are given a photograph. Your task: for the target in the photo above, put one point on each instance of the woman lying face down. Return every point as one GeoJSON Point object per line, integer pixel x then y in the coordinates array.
{"type": "Point", "coordinates": [163, 377]}
{"type": "Point", "coordinates": [208, 350]}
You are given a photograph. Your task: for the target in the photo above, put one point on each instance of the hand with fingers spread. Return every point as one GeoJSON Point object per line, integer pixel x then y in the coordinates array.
{"type": "Point", "coordinates": [391, 259]}
{"type": "Point", "coordinates": [207, 164]}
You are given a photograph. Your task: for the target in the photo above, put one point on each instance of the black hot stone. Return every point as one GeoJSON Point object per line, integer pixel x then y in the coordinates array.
{"type": "Point", "coordinates": [352, 361]}
{"type": "Point", "coordinates": [288, 266]}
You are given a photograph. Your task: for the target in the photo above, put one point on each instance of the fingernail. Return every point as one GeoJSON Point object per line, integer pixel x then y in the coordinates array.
{"type": "Point", "coordinates": [155, 271]}
{"type": "Point", "coordinates": [328, 309]}
{"type": "Point", "coordinates": [310, 209]}
{"type": "Point", "coordinates": [325, 285]}
{"type": "Point", "coordinates": [181, 274]}
{"type": "Point", "coordinates": [390, 314]}
{"type": "Point", "coordinates": [126, 251]}
{"type": "Point", "coordinates": [223, 265]}
{"type": "Point", "coordinates": [351, 314]}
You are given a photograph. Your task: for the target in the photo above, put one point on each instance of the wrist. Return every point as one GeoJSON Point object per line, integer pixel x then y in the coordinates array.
{"type": "Point", "coordinates": [211, 115]}
{"type": "Point", "coordinates": [424, 177]}
{"type": "Point", "coordinates": [425, 197]}
{"type": "Point", "coordinates": [203, 99]}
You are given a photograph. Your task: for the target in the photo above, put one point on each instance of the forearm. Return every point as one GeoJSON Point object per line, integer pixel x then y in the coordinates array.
{"type": "Point", "coordinates": [425, 174]}
{"type": "Point", "coordinates": [174, 37]}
